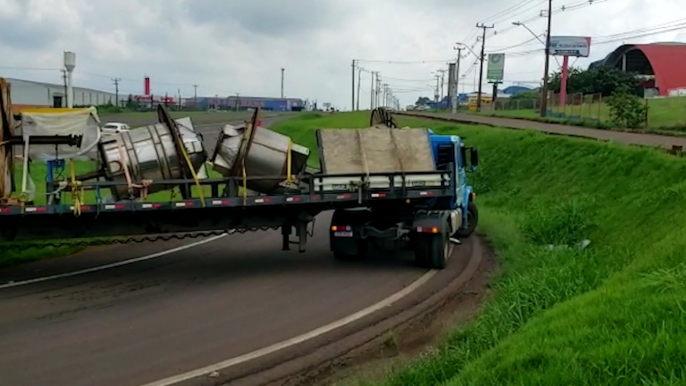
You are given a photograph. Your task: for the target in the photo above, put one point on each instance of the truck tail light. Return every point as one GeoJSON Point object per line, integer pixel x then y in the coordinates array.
{"type": "Point", "coordinates": [427, 230]}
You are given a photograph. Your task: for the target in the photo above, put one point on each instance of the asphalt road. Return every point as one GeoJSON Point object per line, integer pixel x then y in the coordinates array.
{"type": "Point", "coordinates": [145, 321]}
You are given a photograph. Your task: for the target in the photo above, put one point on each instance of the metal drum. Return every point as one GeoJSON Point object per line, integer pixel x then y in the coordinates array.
{"type": "Point", "coordinates": [149, 153]}
{"type": "Point", "coordinates": [267, 156]}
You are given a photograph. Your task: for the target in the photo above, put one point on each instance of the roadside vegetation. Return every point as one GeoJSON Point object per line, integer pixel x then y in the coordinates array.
{"type": "Point", "coordinates": [666, 115]}
{"type": "Point", "coordinates": [611, 313]}
{"type": "Point", "coordinates": [599, 97]}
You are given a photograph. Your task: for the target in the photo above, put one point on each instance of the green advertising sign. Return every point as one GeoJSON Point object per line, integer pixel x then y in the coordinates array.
{"type": "Point", "coordinates": [496, 67]}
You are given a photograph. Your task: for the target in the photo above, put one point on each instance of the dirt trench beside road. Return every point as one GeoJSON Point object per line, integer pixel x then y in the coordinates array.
{"type": "Point", "coordinates": [661, 141]}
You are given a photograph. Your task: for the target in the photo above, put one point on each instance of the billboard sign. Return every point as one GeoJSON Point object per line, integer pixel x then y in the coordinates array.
{"type": "Point", "coordinates": [578, 46]}
{"type": "Point", "coordinates": [496, 68]}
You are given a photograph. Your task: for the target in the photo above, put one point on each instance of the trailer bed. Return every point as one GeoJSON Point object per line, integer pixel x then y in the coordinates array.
{"type": "Point", "coordinates": [226, 209]}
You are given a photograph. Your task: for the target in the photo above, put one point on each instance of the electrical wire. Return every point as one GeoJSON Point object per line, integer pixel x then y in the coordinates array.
{"type": "Point", "coordinates": [505, 11]}
{"type": "Point", "coordinates": [404, 61]}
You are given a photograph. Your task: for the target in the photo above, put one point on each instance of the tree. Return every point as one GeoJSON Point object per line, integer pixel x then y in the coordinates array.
{"type": "Point", "coordinates": [603, 80]}
{"type": "Point", "coordinates": [422, 101]}
{"type": "Point", "coordinates": [627, 110]}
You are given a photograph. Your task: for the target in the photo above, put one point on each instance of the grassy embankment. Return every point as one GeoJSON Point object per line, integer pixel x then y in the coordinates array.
{"type": "Point", "coordinates": [664, 115]}
{"type": "Point", "coordinates": [610, 314]}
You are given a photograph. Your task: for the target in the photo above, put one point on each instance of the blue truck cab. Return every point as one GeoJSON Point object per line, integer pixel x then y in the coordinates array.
{"type": "Point", "coordinates": [431, 227]}
{"type": "Point", "coordinates": [450, 152]}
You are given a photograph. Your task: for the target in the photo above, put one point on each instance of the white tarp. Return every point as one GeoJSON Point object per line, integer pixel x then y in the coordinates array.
{"type": "Point", "coordinates": [80, 122]}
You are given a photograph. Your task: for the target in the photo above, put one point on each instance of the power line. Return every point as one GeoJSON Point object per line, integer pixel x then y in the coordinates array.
{"type": "Point", "coordinates": [505, 11]}
{"type": "Point", "coordinates": [633, 34]}
{"type": "Point", "coordinates": [408, 80]}
{"type": "Point", "coordinates": [515, 46]}
{"type": "Point", "coordinates": [521, 11]}
{"type": "Point", "coordinates": [404, 61]}
{"type": "Point", "coordinates": [563, 8]}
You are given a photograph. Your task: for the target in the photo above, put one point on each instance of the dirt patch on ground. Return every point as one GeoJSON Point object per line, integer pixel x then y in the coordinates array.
{"type": "Point", "coordinates": [376, 359]}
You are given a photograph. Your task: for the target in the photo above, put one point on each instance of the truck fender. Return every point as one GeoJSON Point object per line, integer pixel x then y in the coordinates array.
{"type": "Point", "coordinates": [434, 219]}
{"type": "Point", "coordinates": [468, 196]}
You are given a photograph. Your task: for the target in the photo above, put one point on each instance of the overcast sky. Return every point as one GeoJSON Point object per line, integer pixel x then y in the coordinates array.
{"type": "Point", "coordinates": [232, 46]}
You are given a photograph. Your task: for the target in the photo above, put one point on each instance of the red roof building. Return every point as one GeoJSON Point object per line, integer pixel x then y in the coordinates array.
{"type": "Point", "coordinates": [661, 65]}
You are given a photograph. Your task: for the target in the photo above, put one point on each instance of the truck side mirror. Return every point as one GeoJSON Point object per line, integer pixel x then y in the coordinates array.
{"type": "Point", "coordinates": [474, 156]}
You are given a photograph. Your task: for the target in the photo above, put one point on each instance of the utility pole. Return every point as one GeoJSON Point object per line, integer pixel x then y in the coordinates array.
{"type": "Point", "coordinates": [544, 90]}
{"type": "Point", "coordinates": [385, 94]}
{"type": "Point", "coordinates": [378, 90]}
{"type": "Point", "coordinates": [359, 86]}
{"type": "Point", "coordinates": [482, 58]}
{"type": "Point", "coordinates": [195, 96]}
{"type": "Point", "coordinates": [442, 72]}
{"type": "Point", "coordinates": [237, 100]}
{"type": "Point", "coordinates": [458, 48]}
{"type": "Point", "coordinates": [371, 95]}
{"type": "Point", "coordinates": [282, 76]}
{"type": "Point", "coordinates": [352, 106]}
{"type": "Point", "coordinates": [438, 80]}
{"type": "Point", "coordinates": [64, 78]}
{"type": "Point", "coordinates": [116, 89]}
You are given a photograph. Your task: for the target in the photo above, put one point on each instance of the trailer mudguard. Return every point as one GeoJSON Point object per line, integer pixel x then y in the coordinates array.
{"type": "Point", "coordinates": [433, 219]}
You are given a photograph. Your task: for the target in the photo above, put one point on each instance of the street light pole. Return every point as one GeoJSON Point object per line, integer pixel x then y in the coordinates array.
{"type": "Point", "coordinates": [520, 24]}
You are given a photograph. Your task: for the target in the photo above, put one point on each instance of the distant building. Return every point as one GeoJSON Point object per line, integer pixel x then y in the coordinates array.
{"type": "Point", "coordinates": [514, 90]}
{"type": "Point", "coordinates": [245, 102]}
{"type": "Point", "coordinates": [27, 93]}
{"type": "Point", "coordinates": [659, 65]}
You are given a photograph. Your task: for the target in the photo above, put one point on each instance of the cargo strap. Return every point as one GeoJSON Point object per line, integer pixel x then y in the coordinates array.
{"type": "Point", "coordinates": [289, 157]}
{"type": "Point", "coordinates": [143, 186]}
{"type": "Point", "coordinates": [201, 191]}
{"type": "Point", "coordinates": [244, 193]}
{"type": "Point", "coordinates": [76, 189]}
{"type": "Point", "coordinates": [365, 164]}
{"type": "Point", "coordinates": [25, 175]}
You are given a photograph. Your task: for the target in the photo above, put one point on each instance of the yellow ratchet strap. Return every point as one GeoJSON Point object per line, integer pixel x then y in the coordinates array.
{"type": "Point", "coordinates": [76, 189]}
{"type": "Point", "coordinates": [201, 192]}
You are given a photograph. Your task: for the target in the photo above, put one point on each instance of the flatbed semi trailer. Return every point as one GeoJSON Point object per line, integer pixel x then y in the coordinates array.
{"type": "Point", "coordinates": [420, 209]}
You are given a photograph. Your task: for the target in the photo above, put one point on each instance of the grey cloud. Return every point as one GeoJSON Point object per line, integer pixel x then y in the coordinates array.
{"type": "Point", "coordinates": [272, 18]}
{"type": "Point", "coordinates": [18, 33]}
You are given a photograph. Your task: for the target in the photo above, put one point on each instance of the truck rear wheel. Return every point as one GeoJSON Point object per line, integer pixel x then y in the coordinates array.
{"type": "Point", "coordinates": [432, 250]}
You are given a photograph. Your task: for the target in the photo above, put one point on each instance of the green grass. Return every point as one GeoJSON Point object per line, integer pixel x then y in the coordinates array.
{"type": "Point", "coordinates": [610, 314]}
{"type": "Point", "coordinates": [668, 114]}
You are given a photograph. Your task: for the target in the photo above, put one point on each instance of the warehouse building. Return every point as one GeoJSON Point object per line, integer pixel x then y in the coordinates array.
{"type": "Point", "coordinates": [26, 93]}
{"type": "Point", "coordinates": [246, 102]}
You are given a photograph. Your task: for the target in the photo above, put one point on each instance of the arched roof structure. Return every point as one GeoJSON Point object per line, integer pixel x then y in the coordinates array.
{"type": "Point", "coordinates": [665, 61]}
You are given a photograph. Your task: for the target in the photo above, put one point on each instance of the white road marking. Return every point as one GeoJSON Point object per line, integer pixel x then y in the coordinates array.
{"type": "Point", "coordinates": [298, 339]}
{"type": "Point", "coordinates": [108, 266]}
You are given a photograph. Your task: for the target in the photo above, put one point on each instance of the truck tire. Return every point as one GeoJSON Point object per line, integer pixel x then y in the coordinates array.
{"type": "Point", "coordinates": [360, 255]}
{"type": "Point", "coordinates": [472, 221]}
{"type": "Point", "coordinates": [432, 250]}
